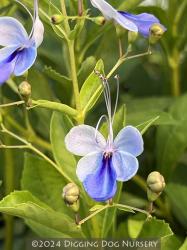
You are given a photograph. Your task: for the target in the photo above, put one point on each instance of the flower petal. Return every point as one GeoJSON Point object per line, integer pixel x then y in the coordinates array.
{"type": "Point", "coordinates": [12, 32]}
{"type": "Point", "coordinates": [125, 164]}
{"type": "Point", "coordinates": [110, 13]}
{"type": "Point", "coordinates": [106, 9]}
{"type": "Point", "coordinates": [101, 185]}
{"type": "Point", "coordinates": [6, 69]}
{"type": "Point", "coordinates": [25, 60]}
{"type": "Point", "coordinates": [88, 164]}
{"type": "Point", "coordinates": [143, 21]}
{"type": "Point", "coordinates": [126, 23]}
{"type": "Point", "coordinates": [81, 140]}
{"type": "Point", "coordinates": [129, 140]}
{"type": "Point", "coordinates": [6, 52]}
{"type": "Point", "coordinates": [38, 32]}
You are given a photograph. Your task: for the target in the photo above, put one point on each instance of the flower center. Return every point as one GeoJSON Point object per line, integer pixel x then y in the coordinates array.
{"type": "Point", "coordinates": [107, 155]}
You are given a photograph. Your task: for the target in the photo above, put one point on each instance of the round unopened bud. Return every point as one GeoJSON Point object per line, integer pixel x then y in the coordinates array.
{"type": "Point", "coordinates": [57, 19]}
{"type": "Point", "coordinates": [132, 36]}
{"type": "Point", "coordinates": [156, 32]}
{"type": "Point", "coordinates": [71, 195]}
{"type": "Point", "coordinates": [155, 185]}
{"type": "Point", "coordinates": [24, 89]}
{"type": "Point", "coordinates": [100, 20]}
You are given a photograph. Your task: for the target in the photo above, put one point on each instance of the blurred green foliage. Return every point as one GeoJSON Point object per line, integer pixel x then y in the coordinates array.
{"type": "Point", "coordinates": [150, 86]}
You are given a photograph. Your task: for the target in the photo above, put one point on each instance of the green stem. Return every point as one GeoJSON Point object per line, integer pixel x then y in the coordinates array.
{"type": "Point", "coordinates": [93, 214]}
{"type": "Point", "coordinates": [54, 106]}
{"type": "Point", "coordinates": [9, 187]}
{"type": "Point", "coordinates": [12, 104]}
{"type": "Point", "coordinates": [74, 78]}
{"type": "Point", "coordinates": [174, 63]}
{"type": "Point", "coordinates": [33, 138]}
{"type": "Point", "coordinates": [176, 80]}
{"type": "Point", "coordinates": [38, 152]}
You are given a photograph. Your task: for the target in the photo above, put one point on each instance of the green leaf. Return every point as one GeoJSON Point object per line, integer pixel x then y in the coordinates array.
{"type": "Point", "coordinates": [89, 94]}
{"type": "Point", "coordinates": [155, 228]}
{"type": "Point", "coordinates": [146, 125]}
{"type": "Point", "coordinates": [172, 140]}
{"type": "Point", "coordinates": [95, 208]}
{"type": "Point", "coordinates": [176, 191]}
{"type": "Point", "coordinates": [24, 205]}
{"type": "Point", "coordinates": [53, 74]}
{"type": "Point", "coordinates": [78, 28]}
{"type": "Point", "coordinates": [60, 126]}
{"type": "Point", "coordinates": [86, 67]}
{"type": "Point", "coordinates": [135, 224]}
{"type": "Point", "coordinates": [184, 245]}
{"type": "Point", "coordinates": [44, 182]}
{"type": "Point", "coordinates": [125, 209]}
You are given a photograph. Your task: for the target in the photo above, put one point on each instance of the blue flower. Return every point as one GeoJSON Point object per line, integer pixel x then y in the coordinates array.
{"type": "Point", "coordinates": [138, 23]}
{"type": "Point", "coordinates": [104, 161]}
{"type": "Point", "coordinates": [20, 49]}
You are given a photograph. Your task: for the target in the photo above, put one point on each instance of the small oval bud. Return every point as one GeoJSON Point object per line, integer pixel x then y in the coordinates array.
{"type": "Point", "coordinates": [25, 91]}
{"type": "Point", "coordinates": [71, 195]}
{"type": "Point", "coordinates": [57, 19]}
{"type": "Point", "coordinates": [155, 185]}
{"type": "Point", "coordinates": [156, 32]}
{"type": "Point", "coordinates": [132, 36]}
{"type": "Point", "coordinates": [100, 20]}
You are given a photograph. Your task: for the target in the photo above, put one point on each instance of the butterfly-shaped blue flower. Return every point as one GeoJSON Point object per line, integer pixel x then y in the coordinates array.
{"type": "Point", "coordinates": [104, 161]}
{"type": "Point", "coordinates": [20, 49]}
{"type": "Point", "coordinates": [138, 23]}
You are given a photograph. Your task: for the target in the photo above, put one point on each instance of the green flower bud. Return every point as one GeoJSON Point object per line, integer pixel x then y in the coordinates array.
{"type": "Point", "coordinates": [25, 91]}
{"type": "Point", "coordinates": [57, 19]}
{"type": "Point", "coordinates": [120, 31]}
{"type": "Point", "coordinates": [132, 36]}
{"type": "Point", "coordinates": [155, 185]}
{"type": "Point", "coordinates": [71, 195]}
{"type": "Point", "coordinates": [156, 32]}
{"type": "Point", "coordinates": [100, 20]}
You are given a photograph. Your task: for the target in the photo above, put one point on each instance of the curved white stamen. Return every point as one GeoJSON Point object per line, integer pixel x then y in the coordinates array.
{"type": "Point", "coordinates": [117, 97]}
{"type": "Point", "coordinates": [98, 124]}
{"type": "Point", "coordinates": [25, 9]}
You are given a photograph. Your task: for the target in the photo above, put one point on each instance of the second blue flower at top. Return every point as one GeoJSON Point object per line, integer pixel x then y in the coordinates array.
{"type": "Point", "coordinates": [138, 23]}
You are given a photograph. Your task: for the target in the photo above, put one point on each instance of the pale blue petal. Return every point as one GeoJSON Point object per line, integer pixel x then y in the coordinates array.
{"type": "Point", "coordinates": [129, 140]}
{"type": "Point", "coordinates": [6, 69]}
{"type": "Point", "coordinates": [12, 32]}
{"type": "Point", "coordinates": [143, 21]}
{"type": "Point", "coordinates": [101, 185]}
{"type": "Point", "coordinates": [126, 23]}
{"type": "Point", "coordinates": [125, 164]}
{"type": "Point", "coordinates": [88, 164]}
{"type": "Point", "coordinates": [81, 140]}
{"type": "Point", "coordinates": [106, 9]}
{"type": "Point", "coordinates": [25, 59]}
{"type": "Point", "coordinates": [6, 52]}
{"type": "Point", "coordinates": [38, 32]}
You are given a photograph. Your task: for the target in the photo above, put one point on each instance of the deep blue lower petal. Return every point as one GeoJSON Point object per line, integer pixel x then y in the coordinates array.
{"type": "Point", "coordinates": [101, 185]}
{"type": "Point", "coordinates": [143, 21]}
{"type": "Point", "coordinates": [6, 69]}
{"type": "Point", "coordinates": [25, 59]}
